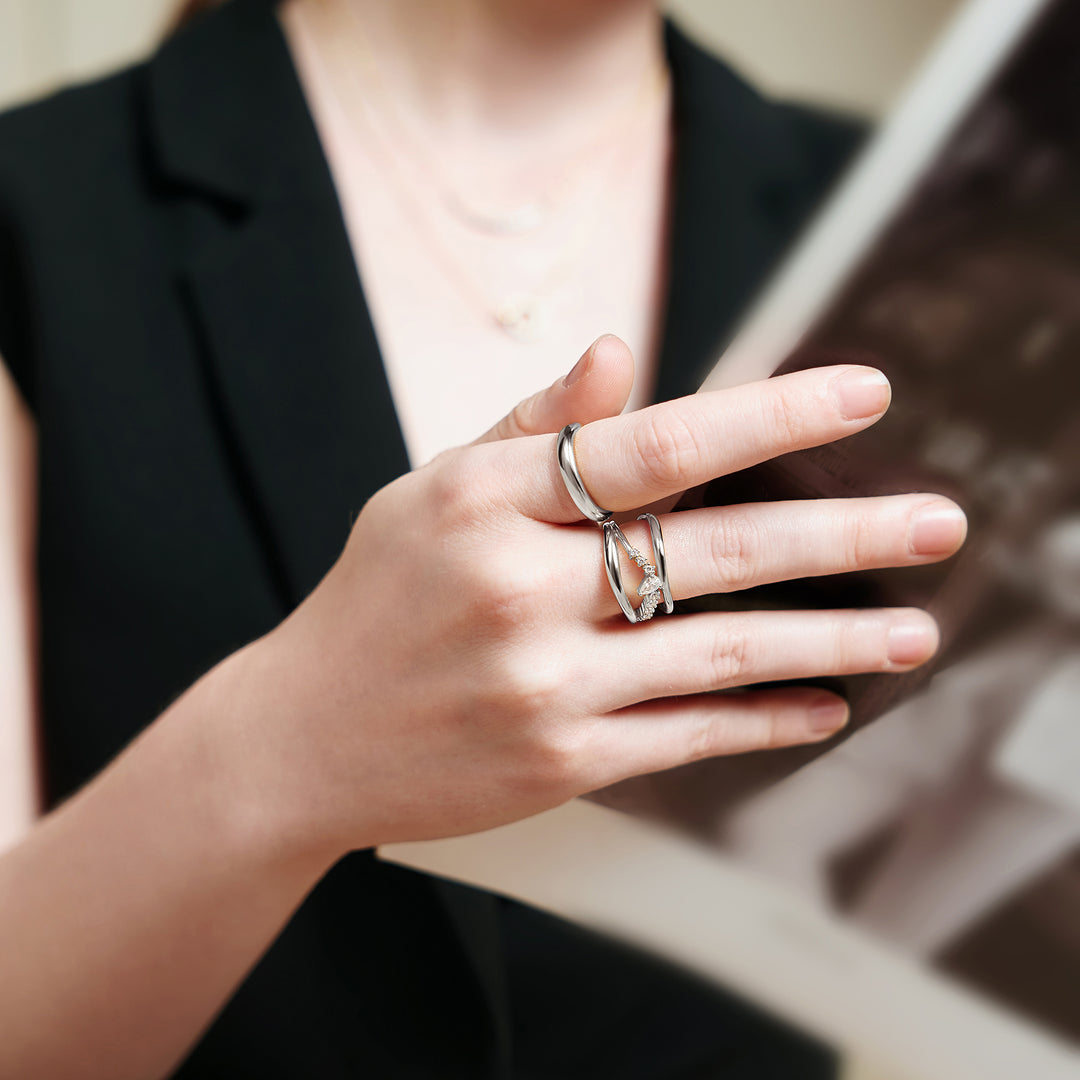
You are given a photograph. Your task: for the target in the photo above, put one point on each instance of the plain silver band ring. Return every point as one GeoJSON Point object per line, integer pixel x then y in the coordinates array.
{"type": "Point", "coordinates": [660, 558]}
{"type": "Point", "coordinates": [572, 478]}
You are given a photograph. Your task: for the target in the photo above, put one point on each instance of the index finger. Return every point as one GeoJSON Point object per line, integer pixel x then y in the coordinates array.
{"type": "Point", "coordinates": [631, 461]}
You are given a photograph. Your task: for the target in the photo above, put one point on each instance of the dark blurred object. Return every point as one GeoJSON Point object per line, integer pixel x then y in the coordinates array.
{"type": "Point", "coordinates": [188, 10]}
{"type": "Point", "coordinates": [970, 303]}
{"type": "Point", "coordinates": [949, 826]}
{"type": "Point", "coordinates": [623, 1014]}
{"type": "Point", "coordinates": [1027, 952]}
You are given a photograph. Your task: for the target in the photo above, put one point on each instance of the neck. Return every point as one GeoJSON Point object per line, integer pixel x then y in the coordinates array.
{"type": "Point", "coordinates": [535, 70]}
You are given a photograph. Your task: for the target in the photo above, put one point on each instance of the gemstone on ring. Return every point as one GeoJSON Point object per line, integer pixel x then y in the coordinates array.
{"type": "Point", "coordinates": [656, 535]}
{"type": "Point", "coordinates": [648, 607]}
{"type": "Point", "coordinates": [651, 587]}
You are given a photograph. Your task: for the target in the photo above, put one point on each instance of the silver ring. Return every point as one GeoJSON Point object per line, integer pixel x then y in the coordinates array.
{"type": "Point", "coordinates": [572, 478]}
{"type": "Point", "coordinates": [651, 588]}
{"type": "Point", "coordinates": [660, 556]}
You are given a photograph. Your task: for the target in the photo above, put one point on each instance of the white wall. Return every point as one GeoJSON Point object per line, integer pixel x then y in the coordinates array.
{"type": "Point", "coordinates": [853, 54]}
{"type": "Point", "coordinates": [849, 53]}
{"type": "Point", "coordinates": [47, 42]}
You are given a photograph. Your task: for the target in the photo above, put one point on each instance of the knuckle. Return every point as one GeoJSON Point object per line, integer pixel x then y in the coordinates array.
{"type": "Point", "coordinates": [498, 596]}
{"type": "Point", "coordinates": [772, 729]}
{"type": "Point", "coordinates": [388, 512]}
{"type": "Point", "coordinates": [702, 737]}
{"type": "Point", "coordinates": [383, 504]}
{"type": "Point", "coordinates": [451, 484]}
{"type": "Point", "coordinates": [464, 484]}
{"type": "Point", "coordinates": [665, 448]}
{"type": "Point", "coordinates": [856, 644]}
{"type": "Point", "coordinates": [489, 593]}
{"type": "Point", "coordinates": [862, 536]}
{"type": "Point", "coordinates": [728, 658]}
{"type": "Point", "coordinates": [519, 422]}
{"type": "Point", "coordinates": [785, 417]}
{"type": "Point", "coordinates": [731, 550]}
{"type": "Point", "coordinates": [528, 688]}
{"type": "Point", "coordinates": [556, 756]}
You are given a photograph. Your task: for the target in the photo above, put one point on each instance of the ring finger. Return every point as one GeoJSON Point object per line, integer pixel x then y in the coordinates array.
{"type": "Point", "coordinates": [729, 548]}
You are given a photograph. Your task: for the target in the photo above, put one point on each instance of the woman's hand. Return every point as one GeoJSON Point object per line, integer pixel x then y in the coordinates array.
{"type": "Point", "coordinates": [464, 663]}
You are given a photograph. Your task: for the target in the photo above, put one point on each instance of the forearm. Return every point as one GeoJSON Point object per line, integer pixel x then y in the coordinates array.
{"type": "Point", "coordinates": [129, 915]}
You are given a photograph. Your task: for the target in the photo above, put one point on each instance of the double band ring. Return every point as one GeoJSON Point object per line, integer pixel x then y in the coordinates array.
{"type": "Point", "coordinates": [654, 586]}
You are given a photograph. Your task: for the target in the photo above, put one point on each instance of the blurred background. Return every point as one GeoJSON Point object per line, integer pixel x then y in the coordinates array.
{"type": "Point", "coordinates": [845, 54]}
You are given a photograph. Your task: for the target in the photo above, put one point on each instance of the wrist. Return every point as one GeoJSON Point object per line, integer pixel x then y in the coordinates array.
{"type": "Point", "coordinates": [249, 794]}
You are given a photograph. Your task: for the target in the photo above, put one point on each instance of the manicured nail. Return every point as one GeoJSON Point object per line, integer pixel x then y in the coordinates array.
{"type": "Point", "coordinates": [911, 641]}
{"type": "Point", "coordinates": [861, 392]}
{"type": "Point", "coordinates": [828, 715]}
{"type": "Point", "coordinates": [579, 369]}
{"type": "Point", "coordinates": [937, 530]}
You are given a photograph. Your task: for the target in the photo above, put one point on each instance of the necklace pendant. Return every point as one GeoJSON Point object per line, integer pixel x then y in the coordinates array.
{"type": "Point", "coordinates": [524, 318]}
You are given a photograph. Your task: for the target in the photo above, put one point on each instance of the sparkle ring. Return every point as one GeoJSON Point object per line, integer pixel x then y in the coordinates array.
{"type": "Point", "coordinates": [660, 556]}
{"type": "Point", "coordinates": [654, 586]}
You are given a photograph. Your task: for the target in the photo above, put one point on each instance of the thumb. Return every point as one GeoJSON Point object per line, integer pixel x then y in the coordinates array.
{"type": "Point", "coordinates": [597, 386]}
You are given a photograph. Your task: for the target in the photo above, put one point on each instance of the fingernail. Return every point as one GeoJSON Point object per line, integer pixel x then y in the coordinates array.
{"type": "Point", "coordinates": [579, 369]}
{"type": "Point", "coordinates": [937, 530]}
{"type": "Point", "coordinates": [911, 642]}
{"type": "Point", "coordinates": [828, 715]}
{"type": "Point", "coordinates": [861, 392]}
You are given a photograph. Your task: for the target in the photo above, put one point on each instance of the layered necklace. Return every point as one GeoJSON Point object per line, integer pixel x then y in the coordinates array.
{"type": "Point", "coordinates": [421, 183]}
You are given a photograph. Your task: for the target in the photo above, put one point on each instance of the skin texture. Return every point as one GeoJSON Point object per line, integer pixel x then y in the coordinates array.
{"type": "Point", "coordinates": [513, 685]}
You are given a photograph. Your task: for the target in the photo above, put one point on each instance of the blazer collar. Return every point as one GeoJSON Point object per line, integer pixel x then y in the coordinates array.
{"type": "Point", "coordinates": [291, 359]}
{"type": "Point", "coordinates": [227, 115]}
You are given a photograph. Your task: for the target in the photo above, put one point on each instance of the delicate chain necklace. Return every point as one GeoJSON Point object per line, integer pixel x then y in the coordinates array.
{"type": "Point", "coordinates": [519, 220]}
{"type": "Point", "coordinates": [523, 314]}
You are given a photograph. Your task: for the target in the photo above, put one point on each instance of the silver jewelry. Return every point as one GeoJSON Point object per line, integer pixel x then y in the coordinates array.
{"type": "Point", "coordinates": [572, 478]}
{"type": "Point", "coordinates": [651, 588]}
{"type": "Point", "coordinates": [654, 585]}
{"type": "Point", "coordinates": [660, 556]}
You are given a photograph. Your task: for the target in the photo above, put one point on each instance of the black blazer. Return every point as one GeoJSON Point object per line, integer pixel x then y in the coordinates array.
{"type": "Point", "coordinates": [180, 307]}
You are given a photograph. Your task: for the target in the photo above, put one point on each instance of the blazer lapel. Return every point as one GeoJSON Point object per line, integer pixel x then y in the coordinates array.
{"type": "Point", "coordinates": [747, 174]}
{"type": "Point", "coordinates": [297, 370]}
{"type": "Point", "coordinates": [292, 359]}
